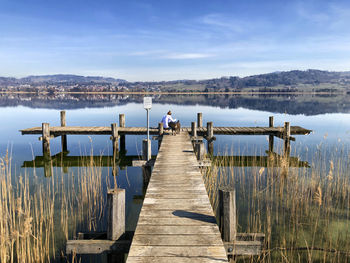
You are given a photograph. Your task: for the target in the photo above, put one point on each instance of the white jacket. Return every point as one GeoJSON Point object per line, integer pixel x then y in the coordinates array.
{"type": "Point", "coordinates": [166, 119]}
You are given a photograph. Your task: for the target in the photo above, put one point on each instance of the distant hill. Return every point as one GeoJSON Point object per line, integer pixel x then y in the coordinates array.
{"type": "Point", "coordinates": [285, 81]}
{"type": "Point", "coordinates": [59, 79]}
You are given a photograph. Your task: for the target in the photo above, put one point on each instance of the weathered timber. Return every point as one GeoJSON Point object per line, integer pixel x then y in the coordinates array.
{"type": "Point", "coordinates": [63, 137]}
{"type": "Point", "coordinates": [210, 137]}
{"type": "Point", "coordinates": [286, 138]}
{"type": "Point", "coordinates": [160, 133]}
{"type": "Point", "coordinates": [199, 119]}
{"type": "Point", "coordinates": [193, 129]}
{"type": "Point", "coordinates": [227, 213]}
{"type": "Point", "coordinates": [95, 246]}
{"type": "Point", "coordinates": [122, 137]}
{"type": "Point", "coordinates": [200, 150]}
{"type": "Point", "coordinates": [271, 138]}
{"type": "Point", "coordinates": [46, 140]}
{"type": "Point", "coordinates": [243, 248]}
{"type": "Point", "coordinates": [176, 223]}
{"type": "Point", "coordinates": [116, 213]}
{"type": "Point", "coordinates": [115, 138]}
{"type": "Point", "coordinates": [146, 150]}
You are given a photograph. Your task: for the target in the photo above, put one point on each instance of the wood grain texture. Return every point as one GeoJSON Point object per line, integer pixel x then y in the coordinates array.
{"type": "Point", "coordinates": [176, 223]}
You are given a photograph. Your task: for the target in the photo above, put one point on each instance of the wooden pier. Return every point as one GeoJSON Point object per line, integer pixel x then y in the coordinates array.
{"type": "Point", "coordinates": [176, 223]}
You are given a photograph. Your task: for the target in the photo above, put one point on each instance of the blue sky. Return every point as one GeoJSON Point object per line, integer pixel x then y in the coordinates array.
{"type": "Point", "coordinates": [167, 40]}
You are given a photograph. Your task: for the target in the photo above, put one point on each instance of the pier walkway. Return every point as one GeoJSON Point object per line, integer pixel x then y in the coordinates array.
{"type": "Point", "coordinates": [176, 223]}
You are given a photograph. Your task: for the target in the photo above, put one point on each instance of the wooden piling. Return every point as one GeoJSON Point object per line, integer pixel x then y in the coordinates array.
{"type": "Point", "coordinates": [194, 129]}
{"type": "Point", "coordinates": [114, 138]}
{"type": "Point", "coordinates": [271, 137]}
{"type": "Point", "coordinates": [46, 140]}
{"type": "Point", "coordinates": [63, 137]}
{"type": "Point", "coordinates": [199, 119]}
{"type": "Point", "coordinates": [160, 129]}
{"type": "Point", "coordinates": [160, 133]}
{"type": "Point", "coordinates": [146, 150]}
{"type": "Point", "coordinates": [227, 212]}
{"type": "Point", "coordinates": [115, 213]}
{"type": "Point", "coordinates": [286, 138]}
{"type": "Point", "coordinates": [210, 137]}
{"type": "Point", "coordinates": [122, 137]}
{"type": "Point", "coordinates": [199, 149]}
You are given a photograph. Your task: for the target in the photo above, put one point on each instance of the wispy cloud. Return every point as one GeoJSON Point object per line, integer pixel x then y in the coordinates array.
{"type": "Point", "coordinates": [187, 56]}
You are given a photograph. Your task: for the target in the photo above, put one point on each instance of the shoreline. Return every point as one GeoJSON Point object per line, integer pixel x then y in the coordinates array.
{"type": "Point", "coordinates": [177, 93]}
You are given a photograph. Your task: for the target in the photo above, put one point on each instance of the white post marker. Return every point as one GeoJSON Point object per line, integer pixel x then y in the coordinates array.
{"type": "Point", "coordinates": [147, 104]}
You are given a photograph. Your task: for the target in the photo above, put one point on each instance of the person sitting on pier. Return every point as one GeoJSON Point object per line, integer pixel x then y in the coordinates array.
{"type": "Point", "coordinates": [167, 119]}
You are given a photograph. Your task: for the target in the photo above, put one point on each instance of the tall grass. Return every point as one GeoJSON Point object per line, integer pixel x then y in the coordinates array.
{"type": "Point", "coordinates": [304, 212]}
{"type": "Point", "coordinates": [37, 217]}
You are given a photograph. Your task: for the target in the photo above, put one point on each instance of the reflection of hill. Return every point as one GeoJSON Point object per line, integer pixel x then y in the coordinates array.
{"type": "Point", "coordinates": [292, 104]}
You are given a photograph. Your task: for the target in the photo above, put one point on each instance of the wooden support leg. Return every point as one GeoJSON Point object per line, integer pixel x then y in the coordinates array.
{"type": "Point", "coordinates": [271, 137]}
{"type": "Point", "coordinates": [115, 213]}
{"type": "Point", "coordinates": [286, 139]}
{"type": "Point", "coordinates": [146, 150]}
{"type": "Point", "coordinates": [160, 133]}
{"type": "Point", "coordinates": [227, 214]}
{"type": "Point", "coordinates": [46, 140]}
{"type": "Point", "coordinates": [194, 129]}
{"type": "Point", "coordinates": [210, 137]}
{"type": "Point", "coordinates": [199, 119]}
{"type": "Point", "coordinates": [63, 137]}
{"type": "Point", "coordinates": [199, 149]}
{"type": "Point", "coordinates": [211, 148]}
{"type": "Point", "coordinates": [146, 175]}
{"type": "Point", "coordinates": [122, 137]}
{"type": "Point", "coordinates": [114, 139]}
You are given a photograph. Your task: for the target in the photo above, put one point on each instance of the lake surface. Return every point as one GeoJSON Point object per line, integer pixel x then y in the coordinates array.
{"type": "Point", "coordinates": [330, 124]}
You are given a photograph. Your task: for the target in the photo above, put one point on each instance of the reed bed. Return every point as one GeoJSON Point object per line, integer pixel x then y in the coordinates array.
{"type": "Point", "coordinates": [303, 211]}
{"type": "Point", "coordinates": [38, 216]}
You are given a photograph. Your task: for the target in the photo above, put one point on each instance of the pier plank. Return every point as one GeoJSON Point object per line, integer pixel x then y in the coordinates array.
{"type": "Point", "coordinates": [176, 223]}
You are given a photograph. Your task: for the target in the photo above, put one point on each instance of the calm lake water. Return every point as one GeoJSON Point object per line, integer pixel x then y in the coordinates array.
{"type": "Point", "coordinates": [331, 132]}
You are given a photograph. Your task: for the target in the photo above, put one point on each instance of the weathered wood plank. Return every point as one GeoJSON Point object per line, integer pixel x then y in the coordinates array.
{"type": "Point", "coordinates": [178, 240]}
{"type": "Point", "coordinates": [177, 251]}
{"type": "Point", "coordinates": [180, 259]}
{"type": "Point", "coordinates": [176, 219]}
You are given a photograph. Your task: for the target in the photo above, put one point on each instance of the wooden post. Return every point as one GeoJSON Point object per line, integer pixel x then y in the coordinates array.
{"type": "Point", "coordinates": [115, 139]}
{"type": "Point", "coordinates": [160, 129]}
{"type": "Point", "coordinates": [63, 137]}
{"type": "Point", "coordinates": [199, 119]}
{"type": "Point", "coordinates": [160, 133]}
{"type": "Point", "coordinates": [121, 120]}
{"type": "Point", "coordinates": [194, 129]}
{"type": "Point", "coordinates": [227, 212]}
{"type": "Point", "coordinates": [146, 150]}
{"type": "Point", "coordinates": [122, 137]}
{"type": "Point", "coordinates": [210, 135]}
{"type": "Point", "coordinates": [46, 140]}
{"type": "Point", "coordinates": [286, 136]}
{"type": "Point", "coordinates": [199, 149]}
{"type": "Point", "coordinates": [115, 213]}
{"type": "Point", "coordinates": [271, 137]}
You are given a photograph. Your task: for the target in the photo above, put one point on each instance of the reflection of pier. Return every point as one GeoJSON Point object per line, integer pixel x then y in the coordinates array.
{"type": "Point", "coordinates": [65, 161]}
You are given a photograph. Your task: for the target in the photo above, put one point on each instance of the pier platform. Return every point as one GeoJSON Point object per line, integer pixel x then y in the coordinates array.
{"type": "Point", "coordinates": [176, 223]}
